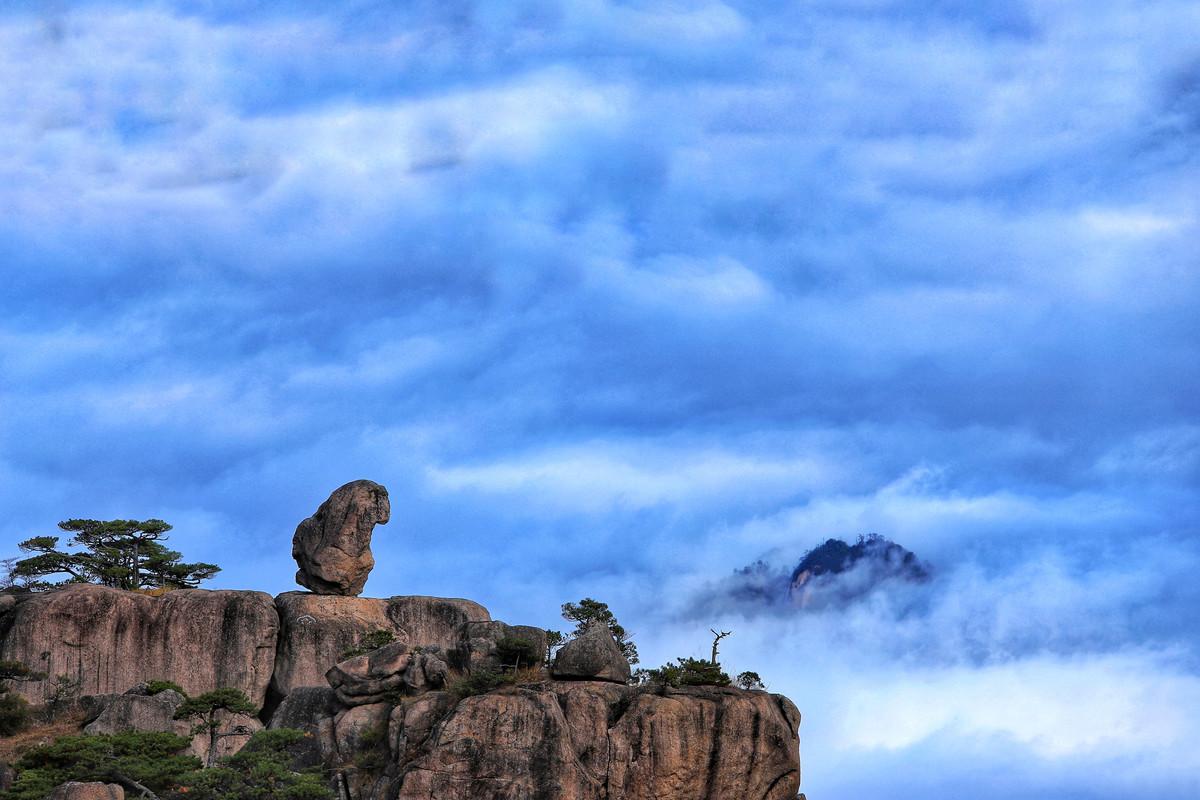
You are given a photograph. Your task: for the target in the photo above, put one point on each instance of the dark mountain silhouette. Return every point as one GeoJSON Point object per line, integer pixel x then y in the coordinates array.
{"type": "Point", "coordinates": [832, 574]}
{"type": "Point", "coordinates": [836, 570]}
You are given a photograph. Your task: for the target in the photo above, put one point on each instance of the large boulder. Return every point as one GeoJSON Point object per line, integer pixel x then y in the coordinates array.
{"type": "Point", "coordinates": [87, 791]}
{"type": "Point", "coordinates": [317, 630]}
{"type": "Point", "coordinates": [333, 546]}
{"type": "Point", "coordinates": [110, 640]}
{"type": "Point", "coordinates": [115, 713]}
{"type": "Point", "coordinates": [389, 672]}
{"type": "Point", "coordinates": [594, 655]}
{"type": "Point", "coordinates": [587, 740]}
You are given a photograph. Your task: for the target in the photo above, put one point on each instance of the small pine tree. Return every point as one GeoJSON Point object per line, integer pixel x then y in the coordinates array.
{"type": "Point", "coordinates": [205, 711]}
{"type": "Point", "coordinates": [587, 611]}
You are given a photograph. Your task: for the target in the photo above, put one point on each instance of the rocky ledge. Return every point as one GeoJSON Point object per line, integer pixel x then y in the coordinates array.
{"type": "Point", "coordinates": [560, 740]}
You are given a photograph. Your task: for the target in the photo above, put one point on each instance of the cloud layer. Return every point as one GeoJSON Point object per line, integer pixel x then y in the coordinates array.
{"type": "Point", "coordinates": [618, 297]}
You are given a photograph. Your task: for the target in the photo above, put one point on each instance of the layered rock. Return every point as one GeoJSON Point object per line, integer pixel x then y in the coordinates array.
{"type": "Point", "coordinates": [333, 546]}
{"type": "Point", "coordinates": [593, 656]}
{"type": "Point", "coordinates": [110, 640]}
{"type": "Point", "coordinates": [585, 740]}
{"type": "Point", "coordinates": [316, 630]}
{"type": "Point", "coordinates": [390, 671]}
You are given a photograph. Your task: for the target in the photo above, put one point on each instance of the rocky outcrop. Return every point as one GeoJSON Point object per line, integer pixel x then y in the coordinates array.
{"type": "Point", "coordinates": [109, 640]}
{"type": "Point", "coordinates": [87, 791]}
{"type": "Point", "coordinates": [593, 656]}
{"type": "Point", "coordinates": [138, 711]}
{"type": "Point", "coordinates": [333, 546]}
{"type": "Point", "coordinates": [115, 713]}
{"type": "Point", "coordinates": [586, 740]}
{"type": "Point", "coordinates": [316, 630]}
{"type": "Point", "coordinates": [390, 671]}
{"type": "Point", "coordinates": [478, 644]}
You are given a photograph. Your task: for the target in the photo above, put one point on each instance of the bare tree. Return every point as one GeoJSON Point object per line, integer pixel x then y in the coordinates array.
{"type": "Point", "coordinates": [717, 641]}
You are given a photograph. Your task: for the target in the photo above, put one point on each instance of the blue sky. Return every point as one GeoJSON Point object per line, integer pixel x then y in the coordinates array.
{"type": "Point", "coordinates": [617, 297]}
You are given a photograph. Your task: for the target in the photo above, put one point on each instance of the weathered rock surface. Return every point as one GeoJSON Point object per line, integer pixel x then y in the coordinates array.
{"type": "Point", "coordinates": [110, 640]}
{"type": "Point", "coordinates": [135, 711]}
{"type": "Point", "coordinates": [593, 656]}
{"type": "Point", "coordinates": [392, 670]}
{"type": "Point", "coordinates": [87, 791]}
{"type": "Point", "coordinates": [115, 713]}
{"type": "Point", "coordinates": [587, 740]}
{"type": "Point", "coordinates": [315, 630]}
{"type": "Point", "coordinates": [333, 546]}
{"type": "Point", "coordinates": [310, 709]}
{"type": "Point", "coordinates": [478, 640]}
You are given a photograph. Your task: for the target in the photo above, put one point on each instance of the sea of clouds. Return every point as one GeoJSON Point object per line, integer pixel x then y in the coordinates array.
{"type": "Point", "coordinates": [617, 298]}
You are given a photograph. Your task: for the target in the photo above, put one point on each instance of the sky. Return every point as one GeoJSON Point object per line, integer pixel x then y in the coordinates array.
{"type": "Point", "coordinates": [616, 298]}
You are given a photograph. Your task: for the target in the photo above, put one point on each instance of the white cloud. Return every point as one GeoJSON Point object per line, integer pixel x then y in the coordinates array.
{"type": "Point", "coordinates": [600, 476]}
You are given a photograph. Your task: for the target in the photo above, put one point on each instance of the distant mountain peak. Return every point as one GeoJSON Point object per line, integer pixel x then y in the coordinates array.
{"type": "Point", "coordinates": [872, 559]}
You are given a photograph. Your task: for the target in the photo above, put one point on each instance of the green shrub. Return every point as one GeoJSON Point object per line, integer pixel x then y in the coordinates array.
{"type": "Point", "coordinates": [259, 771]}
{"type": "Point", "coordinates": [14, 714]}
{"type": "Point", "coordinates": [687, 672]}
{"type": "Point", "coordinates": [516, 652]}
{"type": "Point", "coordinates": [749, 681]}
{"type": "Point", "coordinates": [154, 687]}
{"type": "Point", "coordinates": [150, 759]}
{"type": "Point", "coordinates": [369, 642]}
{"type": "Point", "coordinates": [481, 681]}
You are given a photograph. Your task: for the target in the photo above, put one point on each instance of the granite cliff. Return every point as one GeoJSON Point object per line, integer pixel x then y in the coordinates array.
{"type": "Point", "coordinates": [385, 719]}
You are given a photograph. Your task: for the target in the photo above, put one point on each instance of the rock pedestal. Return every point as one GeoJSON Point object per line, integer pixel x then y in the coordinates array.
{"type": "Point", "coordinates": [333, 546]}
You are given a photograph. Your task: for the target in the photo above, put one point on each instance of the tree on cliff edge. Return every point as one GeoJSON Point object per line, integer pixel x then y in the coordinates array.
{"type": "Point", "coordinates": [587, 611]}
{"type": "Point", "coordinates": [122, 553]}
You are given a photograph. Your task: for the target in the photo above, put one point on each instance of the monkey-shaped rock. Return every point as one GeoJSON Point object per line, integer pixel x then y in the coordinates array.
{"type": "Point", "coordinates": [333, 546]}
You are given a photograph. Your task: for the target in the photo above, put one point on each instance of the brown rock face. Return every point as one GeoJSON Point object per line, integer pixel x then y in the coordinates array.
{"type": "Point", "coordinates": [477, 645]}
{"type": "Point", "coordinates": [87, 791]}
{"type": "Point", "coordinates": [316, 629]}
{"type": "Point", "coordinates": [593, 656]}
{"type": "Point", "coordinates": [110, 640]}
{"type": "Point", "coordinates": [333, 546]}
{"type": "Point", "coordinates": [600, 741]}
{"type": "Point", "coordinates": [391, 670]}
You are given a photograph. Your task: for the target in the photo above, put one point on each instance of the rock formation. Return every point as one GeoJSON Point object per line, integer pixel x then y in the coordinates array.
{"type": "Point", "coordinates": [87, 791]}
{"type": "Point", "coordinates": [390, 671]}
{"type": "Point", "coordinates": [315, 630]}
{"type": "Point", "coordinates": [333, 546]}
{"type": "Point", "coordinates": [586, 740]}
{"type": "Point", "coordinates": [110, 640]}
{"type": "Point", "coordinates": [136, 710]}
{"type": "Point", "coordinates": [383, 687]}
{"type": "Point", "coordinates": [593, 656]}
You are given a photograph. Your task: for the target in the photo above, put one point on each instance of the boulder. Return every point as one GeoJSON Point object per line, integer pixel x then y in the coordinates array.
{"type": "Point", "coordinates": [115, 713]}
{"type": "Point", "coordinates": [477, 643]}
{"type": "Point", "coordinates": [413, 720]}
{"type": "Point", "coordinates": [333, 546]}
{"type": "Point", "coordinates": [593, 656]}
{"type": "Point", "coordinates": [316, 630]}
{"type": "Point", "coordinates": [110, 640]}
{"type": "Point", "coordinates": [590, 740]}
{"type": "Point", "coordinates": [87, 791]}
{"type": "Point", "coordinates": [310, 709]}
{"type": "Point", "coordinates": [390, 671]}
